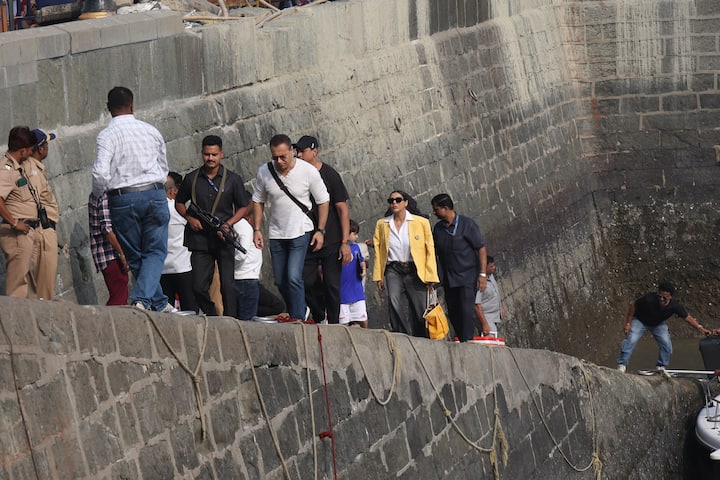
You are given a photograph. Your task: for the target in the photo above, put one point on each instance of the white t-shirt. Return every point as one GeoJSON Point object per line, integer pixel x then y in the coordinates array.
{"type": "Point", "coordinates": [287, 220]}
{"type": "Point", "coordinates": [178, 256]}
{"type": "Point", "coordinates": [247, 266]}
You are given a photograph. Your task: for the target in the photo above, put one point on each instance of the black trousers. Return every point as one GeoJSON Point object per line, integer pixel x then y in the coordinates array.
{"type": "Point", "coordinates": [269, 303]}
{"type": "Point", "coordinates": [461, 310]}
{"type": "Point", "coordinates": [203, 268]}
{"type": "Point", "coordinates": [321, 275]}
{"type": "Point", "coordinates": [180, 284]}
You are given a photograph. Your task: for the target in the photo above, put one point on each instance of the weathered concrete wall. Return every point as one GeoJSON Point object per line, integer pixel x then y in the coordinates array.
{"type": "Point", "coordinates": [567, 129]}
{"type": "Point", "coordinates": [95, 392]}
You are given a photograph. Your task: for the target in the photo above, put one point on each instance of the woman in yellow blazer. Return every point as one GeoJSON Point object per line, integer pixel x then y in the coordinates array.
{"type": "Point", "coordinates": [405, 264]}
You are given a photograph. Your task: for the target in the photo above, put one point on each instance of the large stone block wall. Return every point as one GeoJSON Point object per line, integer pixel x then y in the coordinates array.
{"type": "Point", "coordinates": [650, 124]}
{"type": "Point", "coordinates": [96, 392]}
{"type": "Point", "coordinates": [545, 120]}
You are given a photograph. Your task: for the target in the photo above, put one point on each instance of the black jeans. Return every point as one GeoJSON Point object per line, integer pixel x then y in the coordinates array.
{"type": "Point", "coordinates": [321, 275]}
{"type": "Point", "coordinates": [203, 268]}
{"type": "Point", "coordinates": [180, 284]}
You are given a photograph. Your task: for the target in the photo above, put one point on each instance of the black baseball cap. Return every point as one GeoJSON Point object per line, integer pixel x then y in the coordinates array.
{"type": "Point", "coordinates": [306, 141]}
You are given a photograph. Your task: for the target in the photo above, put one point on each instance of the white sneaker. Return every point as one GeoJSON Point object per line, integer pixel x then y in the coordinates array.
{"type": "Point", "coordinates": [307, 313]}
{"type": "Point", "coordinates": [621, 368]}
{"type": "Point", "coordinates": [660, 368]}
{"type": "Point", "coordinates": [169, 309]}
{"type": "Point", "coordinates": [139, 305]}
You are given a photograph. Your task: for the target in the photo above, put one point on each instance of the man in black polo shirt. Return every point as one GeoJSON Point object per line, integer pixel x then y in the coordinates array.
{"type": "Point", "coordinates": [221, 192]}
{"type": "Point", "coordinates": [650, 312]}
{"type": "Point", "coordinates": [322, 291]}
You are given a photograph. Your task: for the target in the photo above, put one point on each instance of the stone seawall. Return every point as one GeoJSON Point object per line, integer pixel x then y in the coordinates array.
{"type": "Point", "coordinates": [578, 134]}
{"type": "Point", "coordinates": [96, 392]}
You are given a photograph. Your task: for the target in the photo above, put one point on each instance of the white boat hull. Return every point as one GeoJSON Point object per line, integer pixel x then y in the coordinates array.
{"type": "Point", "coordinates": [707, 427]}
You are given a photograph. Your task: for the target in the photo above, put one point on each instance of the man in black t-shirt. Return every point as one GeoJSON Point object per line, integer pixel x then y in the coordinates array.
{"type": "Point", "coordinates": [650, 312]}
{"type": "Point", "coordinates": [203, 186]}
{"type": "Point", "coordinates": [321, 272]}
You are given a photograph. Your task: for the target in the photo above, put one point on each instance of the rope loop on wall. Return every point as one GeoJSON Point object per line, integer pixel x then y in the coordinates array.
{"type": "Point", "coordinates": [498, 435]}
{"type": "Point", "coordinates": [263, 407]}
{"type": "Point", "coordinates": [595, 461]}
{"type": "Point", "coordinates": [396, 366]}
{"type": "Point", "coordinates": [194, 373]}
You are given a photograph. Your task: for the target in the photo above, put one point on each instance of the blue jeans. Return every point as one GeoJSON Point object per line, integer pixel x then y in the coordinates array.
{"type": "Point", "coordinates": [247, 292]}
{"type": "Point", "coordinates": [288, 258]}
{"type": "Point", "coordinates": [637, 329]}
{"type": "Point", "coordinates": [140, 222]}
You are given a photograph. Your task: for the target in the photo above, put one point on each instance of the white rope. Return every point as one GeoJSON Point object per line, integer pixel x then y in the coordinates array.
{"type": "Point", "coordinates": [310, 399]}
{"type": "Point", "coordinates": [194, 374]}
{"type": "Point", "coordinates": [273, 434]}
{"type": "Point", "coordinates": [497, 429]}
{"type": "Point", "coordinates": [595, 459]}
{"type": "Point", "coordinates": [396, 366]}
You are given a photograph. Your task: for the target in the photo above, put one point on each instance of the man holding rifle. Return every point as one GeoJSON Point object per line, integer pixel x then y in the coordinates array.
{"type": "Point", "coordinates": [217, 200]}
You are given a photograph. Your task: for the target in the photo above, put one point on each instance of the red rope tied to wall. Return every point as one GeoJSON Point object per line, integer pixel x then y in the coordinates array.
{"type": "Point", "coordinates": [327, 402]}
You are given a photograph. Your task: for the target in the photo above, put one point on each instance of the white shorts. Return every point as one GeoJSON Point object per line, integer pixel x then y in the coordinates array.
{"type": "Point", "coordinates": [353, 312]}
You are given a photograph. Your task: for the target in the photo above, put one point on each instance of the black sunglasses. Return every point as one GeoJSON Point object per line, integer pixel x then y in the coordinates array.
{"type": "Point", "coordinates": [392, 200]}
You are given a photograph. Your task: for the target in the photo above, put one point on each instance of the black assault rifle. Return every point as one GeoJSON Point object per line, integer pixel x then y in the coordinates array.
{"type": "Point", "coordinates": [213, 223]}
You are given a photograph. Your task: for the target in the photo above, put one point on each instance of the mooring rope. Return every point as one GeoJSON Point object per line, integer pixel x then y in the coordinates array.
{"type": "Point", "coordinates": [396, 366]}
{"type": "Point", "coordinates": [498, 433]}
{"type": "Point", "coordinates": [21, 406]}
{"type": "Point", "coordinates": [330, 433]}
{"type": "Point", "coordinates": [263, 407]}
{"type": "Point", "coordinates": [310, 399]}
{"type": "Point", "coordinates": [194, 374]}
{"type": "Point", "coordinates": [595, 461]}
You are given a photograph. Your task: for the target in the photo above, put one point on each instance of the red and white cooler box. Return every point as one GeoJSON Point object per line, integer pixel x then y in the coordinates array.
{"type": "Point", "coordinates": [486, 340]}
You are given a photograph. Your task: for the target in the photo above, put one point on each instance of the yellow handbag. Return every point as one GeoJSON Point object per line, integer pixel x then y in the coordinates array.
{"type": "Point", "coordinates": [435, 319]}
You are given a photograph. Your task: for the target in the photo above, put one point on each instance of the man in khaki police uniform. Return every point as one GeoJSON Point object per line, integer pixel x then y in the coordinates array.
{"type": "Point", "coordinates": [46, 266]}
{"type": "Point", "coordinates": [18, 210]}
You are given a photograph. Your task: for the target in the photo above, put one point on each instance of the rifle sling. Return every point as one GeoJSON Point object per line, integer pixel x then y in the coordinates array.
{"type": "Point", "coordinates": [220, 191]}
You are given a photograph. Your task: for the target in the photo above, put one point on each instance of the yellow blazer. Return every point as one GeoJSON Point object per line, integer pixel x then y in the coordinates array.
{"type": "Point", "coordinates": [422, 248]}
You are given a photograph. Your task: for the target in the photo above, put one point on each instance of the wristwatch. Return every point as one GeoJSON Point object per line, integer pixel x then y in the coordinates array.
{"type": "Point", "coordinates": [321, 230]}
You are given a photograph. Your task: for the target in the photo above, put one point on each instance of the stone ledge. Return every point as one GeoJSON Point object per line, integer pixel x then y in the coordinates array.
{"type": "Point", "coordinates": [26, 46]}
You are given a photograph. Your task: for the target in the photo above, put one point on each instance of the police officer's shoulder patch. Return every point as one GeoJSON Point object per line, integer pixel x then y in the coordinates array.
{"type": "Point", "coordinates": [8, 167]}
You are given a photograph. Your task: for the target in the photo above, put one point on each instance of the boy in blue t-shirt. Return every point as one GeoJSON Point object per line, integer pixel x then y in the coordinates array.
{"type": "Point", "coordinates": [352, 294]}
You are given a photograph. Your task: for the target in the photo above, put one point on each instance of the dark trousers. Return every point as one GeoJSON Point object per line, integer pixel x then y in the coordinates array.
{"type": "Point", "coordinates": [461, 310]}
{"type": "Point", "coordinates": [247, 292]}
{"type": "Point", "coordinates": [269, 304]}
{"type": "Point", "coordinates": [321, 276]}
{"type": "Point", "coordinates": [180, 284]}
{"type": "Point", "coordinates": [407, 296]}
{"type": "Point", "coordinates": [203, 268]}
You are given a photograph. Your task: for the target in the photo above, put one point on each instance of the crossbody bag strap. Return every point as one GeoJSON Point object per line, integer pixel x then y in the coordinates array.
{"type": "Point", "coordinates": [282, 186]}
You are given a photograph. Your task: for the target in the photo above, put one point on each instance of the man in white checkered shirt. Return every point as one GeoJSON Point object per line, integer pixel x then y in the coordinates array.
{"type": "Point", "coordinates": [131, 167]}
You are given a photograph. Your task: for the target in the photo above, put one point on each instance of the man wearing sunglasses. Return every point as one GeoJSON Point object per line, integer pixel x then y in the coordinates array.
{"type": "Point", "coordinates": [20, 215]}
{"type": "Point", "coordinates": [287, 186]}
{"type": "Point", "coordinates": [650, 313]}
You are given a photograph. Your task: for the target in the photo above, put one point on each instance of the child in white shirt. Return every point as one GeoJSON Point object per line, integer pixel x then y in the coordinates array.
{"type": "Point", "coordinates": [247, 272]}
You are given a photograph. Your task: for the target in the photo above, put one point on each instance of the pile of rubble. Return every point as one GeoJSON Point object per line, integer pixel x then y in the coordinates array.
{"type": "Point", "coordinates": [198, 12]}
